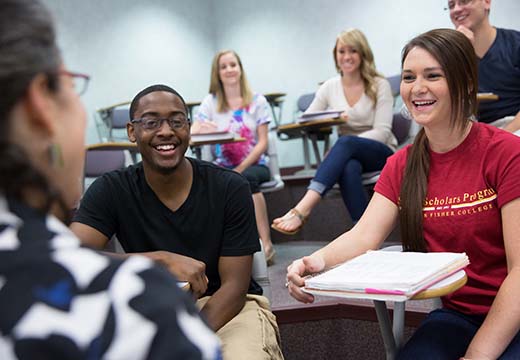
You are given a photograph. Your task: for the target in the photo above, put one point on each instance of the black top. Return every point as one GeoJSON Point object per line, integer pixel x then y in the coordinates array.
{"type": "Point", "coordinates": [61, 301]}
{"type": "Point", "coordinates": [217, 219]}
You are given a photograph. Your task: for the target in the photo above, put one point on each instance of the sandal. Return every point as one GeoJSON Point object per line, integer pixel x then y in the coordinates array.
{"type": "Point", "coordinates": [291, 214]}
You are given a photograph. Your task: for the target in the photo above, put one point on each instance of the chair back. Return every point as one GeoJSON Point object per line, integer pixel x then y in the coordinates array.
{"type": "Point", "coordinates": [98, 162]}
{"type": "Point", "coordinates": [304, 102]}
{"type": "Point", "coordinates": [276, 183]}
{"type": "Point", "coordinates": [395, 84]}
{"type": "Point", "coordinates": [118, 118]}
{"type": "Point", "coordinates": [401, 128]}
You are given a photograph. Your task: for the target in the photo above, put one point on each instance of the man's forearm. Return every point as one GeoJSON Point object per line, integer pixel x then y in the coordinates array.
{"type": "Point", "coordinates": [223, 306]}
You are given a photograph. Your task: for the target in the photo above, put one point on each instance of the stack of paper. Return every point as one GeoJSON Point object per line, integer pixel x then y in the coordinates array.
{"type": "Point", "coordinates": [212, 136]}
{"type": "Point", "coordinates": [386, 275]}
{"type": "Point", "coordinates": [319, 115]}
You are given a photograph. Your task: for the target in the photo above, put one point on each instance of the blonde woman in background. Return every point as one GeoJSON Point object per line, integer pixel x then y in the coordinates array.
{"type": "Point", "coordinates": [232, 106]}
{"type": "Point", "coordinates": [366, 139]}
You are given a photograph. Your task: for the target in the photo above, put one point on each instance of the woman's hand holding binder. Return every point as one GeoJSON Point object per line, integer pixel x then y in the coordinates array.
{"type": "Point", "coordinates": [297, 272]}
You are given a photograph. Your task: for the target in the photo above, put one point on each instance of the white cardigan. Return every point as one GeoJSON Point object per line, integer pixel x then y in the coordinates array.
{"type": "Point", "coordinates": [364, 119]}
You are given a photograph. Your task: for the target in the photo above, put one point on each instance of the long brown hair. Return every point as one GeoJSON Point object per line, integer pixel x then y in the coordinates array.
{"type": "Point", "coordinates": [216, 88]}
{"type": "Point", "coordinates": [357, 40]}
{"type": "Point", "coordinates": [456, 56]}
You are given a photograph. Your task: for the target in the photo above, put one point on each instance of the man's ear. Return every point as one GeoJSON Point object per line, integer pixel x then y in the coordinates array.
{"type": "Point", "coordinates": [40, 105]}
{"type": "Point", "coordinates": [130, 132]}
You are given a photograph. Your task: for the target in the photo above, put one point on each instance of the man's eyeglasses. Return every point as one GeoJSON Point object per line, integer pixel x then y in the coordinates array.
{"type": "Point", "coordinates": [452, 3]}
{"type": "Point", "coordinates": [176, 122]}
{"type": "Point", "coordinates": [80, 81]}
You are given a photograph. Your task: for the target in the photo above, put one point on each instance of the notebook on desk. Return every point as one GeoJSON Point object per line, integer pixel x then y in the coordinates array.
{"type": "Point", "coordinates": [387, 275]}
{"type": "Point", "coordinates": [319, 115]}
{"type": "Point", "coordinates": [212, 136]}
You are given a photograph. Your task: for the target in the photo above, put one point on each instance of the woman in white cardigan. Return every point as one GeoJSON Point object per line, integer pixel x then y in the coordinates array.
{"type": "Point", "coordinates": [366, 138]}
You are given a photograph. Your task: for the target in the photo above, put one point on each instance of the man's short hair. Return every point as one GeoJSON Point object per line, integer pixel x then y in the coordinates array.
{"type": "Point", "coordinates": [151, 89]}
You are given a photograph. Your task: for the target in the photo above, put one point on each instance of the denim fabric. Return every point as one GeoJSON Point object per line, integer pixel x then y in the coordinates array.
{"type": "Point", "coordinates": [446, 334]}
{"type": "Point", "coordinates": [347, 160]}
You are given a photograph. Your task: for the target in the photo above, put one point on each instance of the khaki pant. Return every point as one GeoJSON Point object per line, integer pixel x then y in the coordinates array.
{"type": "Point", "coordinates": [252, 334]}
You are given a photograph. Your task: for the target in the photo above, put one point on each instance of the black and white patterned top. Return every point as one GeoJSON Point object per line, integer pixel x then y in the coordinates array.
{"type": "Point", "coordinates": [59, 300]}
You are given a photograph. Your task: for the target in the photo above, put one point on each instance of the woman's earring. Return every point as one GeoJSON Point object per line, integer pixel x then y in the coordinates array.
{"type": "Point", "coordinates": [55, 155]}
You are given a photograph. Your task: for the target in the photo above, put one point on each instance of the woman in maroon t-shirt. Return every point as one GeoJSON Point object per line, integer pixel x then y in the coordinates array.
{"type": "Point", "coordinates": [473, 170]}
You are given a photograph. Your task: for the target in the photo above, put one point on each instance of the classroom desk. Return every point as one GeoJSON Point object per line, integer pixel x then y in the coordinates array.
{"type": "Point", "coordinates": [310, 130]}
{"type": "Point", "coordinates": [191, 106]}
{"type": "Point", "coordinates": [132, 147]}
{"type": "Point", "coordinates": [106, 110]}
{"type": "Point", "coordinates": [393, 333]}
{"type": "Point", "coordinates": [109, 108]}
{"type": "Point", "coordinates": [483, 97]}
{"type": "Point", "coordinates": [275, 101]}
{"type": "Point", "coordinates": [119, 145]}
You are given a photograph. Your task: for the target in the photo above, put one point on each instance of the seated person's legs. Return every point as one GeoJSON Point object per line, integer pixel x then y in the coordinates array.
{"type": "Point", "coordinates": [252, 334]}
{"type": "Point", "coordinates": [370, 153]}
{"type": "Point", "coordinates": [352, 190]}
{"type": "Point", "coordinates": [444, 334]}
{"type": "Point", "coordinates": [256, 175]}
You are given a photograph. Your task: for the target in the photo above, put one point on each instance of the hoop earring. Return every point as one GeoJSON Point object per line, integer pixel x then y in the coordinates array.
{"type": "Point", "coordinates": [55, 155]}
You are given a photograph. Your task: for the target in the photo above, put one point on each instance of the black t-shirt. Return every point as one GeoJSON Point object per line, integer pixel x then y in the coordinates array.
{"type": "Point", "coordinates": [217, 219]}
{"type": "Point", "coordinates": [61, 301]}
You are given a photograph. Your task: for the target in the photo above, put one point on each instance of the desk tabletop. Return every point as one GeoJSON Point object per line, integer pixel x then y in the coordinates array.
{"type": "Point", "coordinates": [487, 97]}
{"type": "Point", "coordinates": [109, 108]}
{"type": "Point", "coordinates": [270, 97]}
{"type": "Point", "coordinates": [189, 104]}
{"type": "Point", "coordinates": [216, 141]}
{"type": "Point", "coordinates": [443, 287]}
{"type": "Point", "coordinates": [126, 145]}
{"type": "Point", "coordinates": [193, 103]}
{"type": "Point", "coordinates": [311, 124]}
{"type": "Point", "coordinates": [121, 145]}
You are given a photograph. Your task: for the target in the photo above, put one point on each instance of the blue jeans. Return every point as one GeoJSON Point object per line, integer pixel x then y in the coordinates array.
{"type": "Point", "coordinates": [347, 160]}
{"type": "Point", "coordinates": [446, 334]}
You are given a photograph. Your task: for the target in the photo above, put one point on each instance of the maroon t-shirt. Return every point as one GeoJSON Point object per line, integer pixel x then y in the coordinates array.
{"type": "Point", "coordinates": [467, 186]}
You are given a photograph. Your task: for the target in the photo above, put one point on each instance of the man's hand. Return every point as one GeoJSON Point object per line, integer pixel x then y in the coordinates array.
{"type": "Point", "coordinates": [185, 269]}
{"type": "Point", "coordinates": [469, 34]}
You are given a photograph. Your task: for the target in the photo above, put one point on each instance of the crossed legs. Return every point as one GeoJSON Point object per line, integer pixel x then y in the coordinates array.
{"type": "Point", "coordinates": [348, 158]}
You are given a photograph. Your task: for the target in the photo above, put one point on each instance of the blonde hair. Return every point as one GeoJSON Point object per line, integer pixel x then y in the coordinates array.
{"type": "Point", "coordinates": [217, 89]}
{"type": "Point", "coordinates": [357, 40]}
